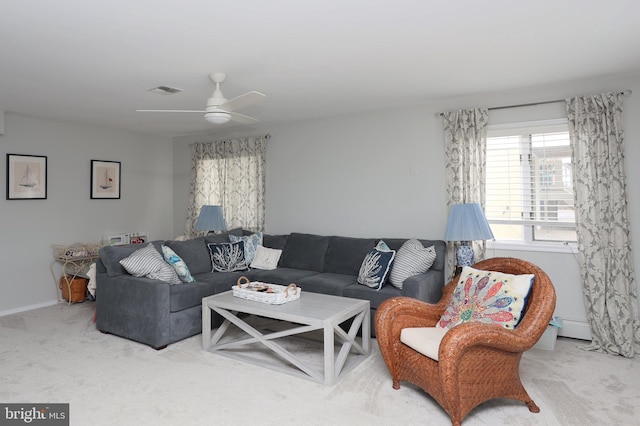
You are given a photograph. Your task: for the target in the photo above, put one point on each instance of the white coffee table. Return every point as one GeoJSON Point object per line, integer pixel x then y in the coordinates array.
{"type": "Point", "coordinates": [311, 312]}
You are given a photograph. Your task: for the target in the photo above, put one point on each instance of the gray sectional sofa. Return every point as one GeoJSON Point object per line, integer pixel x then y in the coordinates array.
{"type": "Point", "coordinates": [157, 313]}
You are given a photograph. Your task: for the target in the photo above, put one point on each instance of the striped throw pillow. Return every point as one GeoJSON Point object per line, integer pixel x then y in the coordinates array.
{"type": "Point", "coordinates": [411, 259]}
{"type": "Point", "coordinates": [148, 262]}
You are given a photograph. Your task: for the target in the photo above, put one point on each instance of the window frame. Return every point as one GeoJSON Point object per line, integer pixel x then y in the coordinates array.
{"type": "Point", "coordinates": [527, 243]}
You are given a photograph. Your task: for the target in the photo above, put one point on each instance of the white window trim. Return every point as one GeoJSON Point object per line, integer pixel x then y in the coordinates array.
{"type": "Point", "coordinates": [538, 246]}
{"type": "Point", "coordinates": [506, 129]}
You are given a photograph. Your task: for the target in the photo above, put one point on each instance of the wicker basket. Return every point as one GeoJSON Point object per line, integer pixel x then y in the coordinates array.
{"type": "Point", "coordinates": [272, 294]}
{"type": "Point", "coordinates": [78, 286]}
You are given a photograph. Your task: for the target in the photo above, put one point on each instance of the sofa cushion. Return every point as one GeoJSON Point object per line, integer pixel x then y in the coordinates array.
{"type": "Point", "coordinates": [375, 298]}
{"type": "Point", "coordinates": [207, 284]}
{"type": "Point", "coordinates": [345, 254]}
{"type": "Point", "coordinates": [328, 283]}
{"type": "Point", "coordinates": [281, 276]}
{"type": "Point", "coordinates": [148, 262]}
{"type": "Point", "coordinates": [304, 251]}
{"type": "Point", "coordinates": [223, 237]}
{"type": "Point", "coordinates": [112, 255]}
{"type": "Point", "coordinates": [194, 253]}
{"type": "Point", "coordinates": [274, 241]}
{"type": "Point", "coordinates": [227, 257]}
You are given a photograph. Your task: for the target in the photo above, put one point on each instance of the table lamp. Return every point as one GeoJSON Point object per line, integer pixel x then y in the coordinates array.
{"type": "Point", "coordinates": [211, 219]}
{"type": "Point", "coordinates": [466, 223]}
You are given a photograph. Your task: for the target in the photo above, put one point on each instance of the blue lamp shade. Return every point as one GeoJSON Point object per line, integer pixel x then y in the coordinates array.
{"type": "Point", "coordinates": [211, 219]}
{"type": "Point", "coordinates": [466, 223]}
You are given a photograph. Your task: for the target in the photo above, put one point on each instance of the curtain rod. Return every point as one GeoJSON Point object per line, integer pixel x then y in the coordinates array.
{"type": "Point", "coordinates": [624, 92]}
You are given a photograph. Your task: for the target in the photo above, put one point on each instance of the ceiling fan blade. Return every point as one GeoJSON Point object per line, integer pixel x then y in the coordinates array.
{"type": "Point", "coordinates": [167, 110]}
{"type": "Point", "coordinates": [241, 118]}
{"type": "Point", "coordinates": [241, 101]}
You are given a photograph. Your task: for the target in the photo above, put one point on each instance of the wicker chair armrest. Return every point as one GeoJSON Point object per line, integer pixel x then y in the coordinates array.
{"type": "Point", "coordinates": [406, 312]}
{"type": "Point", "coordinates": [463, 337]}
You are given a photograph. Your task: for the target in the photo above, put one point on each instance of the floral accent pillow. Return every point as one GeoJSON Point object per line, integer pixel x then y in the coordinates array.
{"type": "Point", "coordinates": [375, 266]}
{"type": "Point", "coordinates": [227, 257]}
{"type": "Point", "coordinates": [487, 297]}
{"type": "Point", "coordinates": [251, 243]}
{"type": "Point", "coordinates": [178, 264]}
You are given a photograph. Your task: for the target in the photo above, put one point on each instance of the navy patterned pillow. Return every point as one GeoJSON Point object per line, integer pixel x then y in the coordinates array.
{"type": "Point", "coordinates": [375, 266]}
{"type": "Point", "coordinates": [227, 257]}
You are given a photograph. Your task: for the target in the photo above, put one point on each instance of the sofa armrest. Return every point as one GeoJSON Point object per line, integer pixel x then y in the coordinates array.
{"type": "Point", "coordinates": [137, 308]}
{"type": "Point", "coordinates": [426, 286]}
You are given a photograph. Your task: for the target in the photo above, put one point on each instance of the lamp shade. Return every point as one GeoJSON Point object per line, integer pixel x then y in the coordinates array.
{"type": "Point", "coordinates": [211, 219]}
{"type": "Point", "coordinates": [467, 223]}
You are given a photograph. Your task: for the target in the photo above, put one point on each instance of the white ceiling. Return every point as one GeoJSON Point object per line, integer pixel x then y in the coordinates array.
{"type": "Point", "coordinates": [93, 61]}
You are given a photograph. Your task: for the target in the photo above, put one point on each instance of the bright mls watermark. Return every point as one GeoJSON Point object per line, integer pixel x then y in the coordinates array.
{"type": "Point", "coordinates": [34, 414]}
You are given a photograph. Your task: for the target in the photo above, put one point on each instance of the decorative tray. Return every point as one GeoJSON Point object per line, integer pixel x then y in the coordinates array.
{"type": "Point", "coordinates": [76, 251]}
{"type": "Point", "coordinates": [272, 294]}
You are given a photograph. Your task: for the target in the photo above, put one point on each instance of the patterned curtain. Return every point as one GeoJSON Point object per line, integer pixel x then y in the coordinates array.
{"type": "Point", "coordinates": [604, 242]}
{"type": "Point", "coordinates": [465, 138]}
{"type": "Point", "coordinates": [231, 174]}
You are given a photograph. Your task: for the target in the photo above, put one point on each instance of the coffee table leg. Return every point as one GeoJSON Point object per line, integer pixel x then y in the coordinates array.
{"type": "Point", "coordinates": [329, 354]}
{"type": "Point", "coordinates": [366, 331]}
{"type": "Point", "coordinates": [206, 325]}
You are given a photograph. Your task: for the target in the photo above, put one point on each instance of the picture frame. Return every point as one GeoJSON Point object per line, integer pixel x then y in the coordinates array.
{"type": "Point", "coordinates": [26, 177]}
{"type": "Point", "coordinates": [105, 179]}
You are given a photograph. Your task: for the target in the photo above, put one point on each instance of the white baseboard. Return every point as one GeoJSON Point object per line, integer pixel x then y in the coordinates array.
{"type": "Point", "coordinates": [575, 329]}
{"type": "Point", "coordinates": [28, 308]}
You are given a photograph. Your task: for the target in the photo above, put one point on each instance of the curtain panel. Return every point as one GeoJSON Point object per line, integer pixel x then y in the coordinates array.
{"type": "Point", "coordinates": [465, 138]}
{"type": "Point", "coordinates": [602, 221]}
{"type": "Point", "coordinates": [229, 173]}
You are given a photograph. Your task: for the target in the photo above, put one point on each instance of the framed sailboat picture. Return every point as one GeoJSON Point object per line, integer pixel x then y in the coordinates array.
{"type": "Point", "coordinates": [26, 177]}
{"type": "Point", "coordinates": [105, 179]}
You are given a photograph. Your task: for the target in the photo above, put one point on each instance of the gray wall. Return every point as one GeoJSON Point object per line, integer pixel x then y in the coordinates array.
{"type": "Point", "coordinates": [382, 174]}
{"type": "Point", "coordinates": [30, 227]}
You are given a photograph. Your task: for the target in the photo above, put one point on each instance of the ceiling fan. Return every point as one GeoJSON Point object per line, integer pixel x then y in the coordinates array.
{"type": "Point", "coordinates": [219, 110]}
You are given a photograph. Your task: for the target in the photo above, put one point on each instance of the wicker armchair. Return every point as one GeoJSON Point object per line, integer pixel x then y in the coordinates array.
{"type": "Point", "coordinates": [477, 362]}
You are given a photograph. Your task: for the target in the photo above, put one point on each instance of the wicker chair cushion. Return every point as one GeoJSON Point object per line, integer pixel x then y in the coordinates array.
{"type": "Point", "coordinates": [425, 340]}
{"type": "Point", "coordinates": [488, 297]}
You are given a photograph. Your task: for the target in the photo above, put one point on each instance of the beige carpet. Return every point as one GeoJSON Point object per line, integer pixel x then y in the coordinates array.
{"type": "Point", "coordinates": [55, 354]}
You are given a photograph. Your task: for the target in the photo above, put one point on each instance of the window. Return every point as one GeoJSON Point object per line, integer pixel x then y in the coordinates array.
{"type": "Point", "coordinates": [529, 186]}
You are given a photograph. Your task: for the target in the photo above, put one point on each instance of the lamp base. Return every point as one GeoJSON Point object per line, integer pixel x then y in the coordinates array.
{"type": "Point", "coordinates": [464, 254]}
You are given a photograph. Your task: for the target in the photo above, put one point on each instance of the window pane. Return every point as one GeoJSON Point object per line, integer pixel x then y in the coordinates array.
{"type": "Point", "coordinates": [554, 233]}
{"type": "Point", "coordinates": [529, 182]}
{"type": "Point", "coordinates": [502, 232]}
{"type": "Point", "coordinates": [552, 182]}
{"type": "Point", "coordinates": [505, 179]}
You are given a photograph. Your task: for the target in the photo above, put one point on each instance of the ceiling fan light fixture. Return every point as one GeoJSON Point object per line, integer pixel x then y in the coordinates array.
{"type": "Point", "coordinates": [217, 117]}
